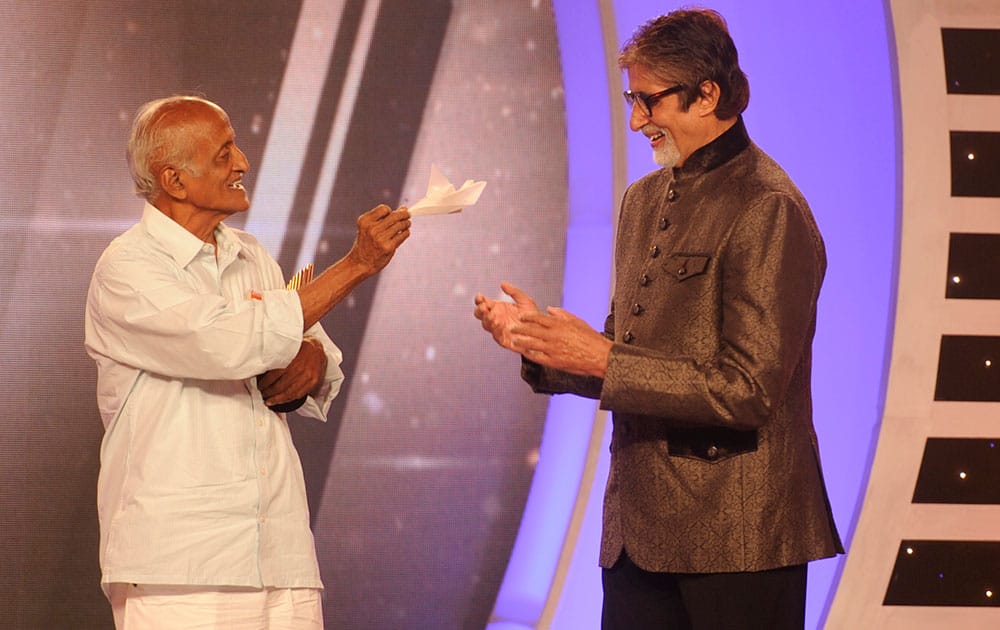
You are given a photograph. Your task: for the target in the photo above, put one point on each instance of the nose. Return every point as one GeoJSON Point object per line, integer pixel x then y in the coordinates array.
{"type": "Point", "coordinates": [637, 119]}
{"type": "Point", "coordinates": [241, 164]}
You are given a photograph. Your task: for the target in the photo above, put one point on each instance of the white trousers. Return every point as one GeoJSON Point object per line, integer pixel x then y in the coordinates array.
{"type": "Point", "coordinates": [161, 607]}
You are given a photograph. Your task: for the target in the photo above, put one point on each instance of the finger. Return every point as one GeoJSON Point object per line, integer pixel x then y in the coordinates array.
{"type": "Point", "coordinates": [391, 228]}
{"type": "Point", "coordinates": [526, 344]}
{"type": "Point", "coordinates": [484, 307]}
{"type": "Point", "coordinates": [401, 235]}
{"type": "Point", "coordinates": [529, 329]}
{"type": "Point", "coordinates": [396, 218]}
{"type": "Point", "coordinates": [267, 379]}
{"type": "Point", "coordinates": [562, 314]}
{"type": "Point", "coordinates": [286, 389]}
{"type": "Point", "coordinates": [538, 318]}
{"type": "Point", "coordinates": [377, 213]}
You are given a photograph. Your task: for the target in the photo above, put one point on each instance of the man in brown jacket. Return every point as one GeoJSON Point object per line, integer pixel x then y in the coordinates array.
{"type": "Point", "coordinates": [715, 500]}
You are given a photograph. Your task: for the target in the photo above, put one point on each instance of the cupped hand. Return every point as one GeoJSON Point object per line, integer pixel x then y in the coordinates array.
{"type": "Point", "coordinates": [499, 316]}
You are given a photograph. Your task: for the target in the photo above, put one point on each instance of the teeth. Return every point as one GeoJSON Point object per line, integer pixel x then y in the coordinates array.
{"type": "Point", "coordinates": [237, 185]}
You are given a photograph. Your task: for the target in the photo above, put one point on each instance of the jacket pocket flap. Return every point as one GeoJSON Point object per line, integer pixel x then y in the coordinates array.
{"type": "Point", "coordinates": [710, 445]}
{"type": "Point", "coordinates": [684, 266]}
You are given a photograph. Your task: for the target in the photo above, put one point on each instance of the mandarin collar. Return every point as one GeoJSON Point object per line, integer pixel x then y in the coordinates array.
{"type": "Point", "coordinates": [715, 153]}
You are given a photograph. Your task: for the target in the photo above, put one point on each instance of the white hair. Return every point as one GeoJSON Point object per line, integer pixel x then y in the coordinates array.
{"type": "Point", "coordinates": [155, 142]}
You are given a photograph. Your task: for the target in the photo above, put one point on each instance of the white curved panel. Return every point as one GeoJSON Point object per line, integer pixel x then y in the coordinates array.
{"type": "Point", "coordinates": [911, 415]}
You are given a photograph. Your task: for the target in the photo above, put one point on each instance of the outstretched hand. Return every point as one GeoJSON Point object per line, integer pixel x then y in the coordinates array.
{"type": "Point", "coordinates": [380, 233]}
{"type": "Point", "coordinates": [554, 338]}
{"type": "Point", "coordinates": [499, 316]}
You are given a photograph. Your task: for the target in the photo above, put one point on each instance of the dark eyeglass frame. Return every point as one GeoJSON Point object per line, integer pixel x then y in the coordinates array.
{"type": "Point", "coordinates": [647, 102]}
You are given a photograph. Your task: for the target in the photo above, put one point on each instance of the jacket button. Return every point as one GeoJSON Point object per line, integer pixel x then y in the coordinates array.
{"type": "Point", "coordinates": [712, 452]}
{"type": "Point", "coordinates": [643, 280]}
{"type": "Point", "coordinates": [671, 195]}
{"type": "Point", "coordinates": [637, 309]}
{"type": "Point", "coordinates": [627, 337]}
{"type": "Point", "coordinates": [664, 223]}
{"type": "Point", "coordinates": [654, 251]}
{"type": "Point", "coordinates": [682, 271]}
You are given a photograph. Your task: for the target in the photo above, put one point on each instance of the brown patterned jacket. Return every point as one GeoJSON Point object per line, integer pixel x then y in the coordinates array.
{"type": "Point", "coordinates": [714, 459]}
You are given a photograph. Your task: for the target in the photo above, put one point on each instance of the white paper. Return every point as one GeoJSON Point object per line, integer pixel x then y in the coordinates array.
{"type": "Point", "coordinates": [443, 198]}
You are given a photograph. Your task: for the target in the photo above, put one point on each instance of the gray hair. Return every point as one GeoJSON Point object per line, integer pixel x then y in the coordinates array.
{"type": "Point", "coordinates": [691, 46]}
{"type": "Point", "coordinates": [157, 140]}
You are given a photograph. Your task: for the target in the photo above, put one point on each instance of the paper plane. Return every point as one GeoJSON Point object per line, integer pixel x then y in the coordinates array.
{"type": "Point", "coordinates": [443, 198]}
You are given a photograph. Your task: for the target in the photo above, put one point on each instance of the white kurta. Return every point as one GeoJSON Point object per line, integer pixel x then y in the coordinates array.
{"type": "Point", "coordinates": [200, 482]}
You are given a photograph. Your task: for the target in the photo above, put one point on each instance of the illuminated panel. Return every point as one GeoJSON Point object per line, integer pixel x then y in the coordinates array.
{"type": "Point", "coordinates": [969, 368]}
{"type": "Point", "coordinates": [945, 573]}
{"type": "Point", "coordinates": [971, 60]}
{"type": "Point", "coordinates": [973, 261]}
{"type": "Point", "coordinates": [925, 553]}
{"type": "Point", "coordinates": [975, 163]}
{"type": "Point", "coordinates": [959, 470]}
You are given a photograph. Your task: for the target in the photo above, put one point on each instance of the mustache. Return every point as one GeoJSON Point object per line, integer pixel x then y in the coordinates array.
{"type": "Point", "coordinates": [649, 130]}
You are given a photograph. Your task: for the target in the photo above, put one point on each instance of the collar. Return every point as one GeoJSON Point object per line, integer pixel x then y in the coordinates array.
{"type": "Point", "coordinates": [715, 153]}
{"type": "Point", "coordinates": [183, 246]}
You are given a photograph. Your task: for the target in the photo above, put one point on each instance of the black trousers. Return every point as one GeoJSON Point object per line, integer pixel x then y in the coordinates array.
{"type": "Point", "coordinates": [635, 599]}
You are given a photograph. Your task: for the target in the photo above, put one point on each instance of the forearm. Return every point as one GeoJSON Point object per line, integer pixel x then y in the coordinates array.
{"type": "Point", "coordinates": [380, 232]}
{"type": "Point", "coordinates": [327, 290]}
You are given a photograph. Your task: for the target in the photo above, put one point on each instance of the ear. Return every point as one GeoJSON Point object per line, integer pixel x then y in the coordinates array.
{"type": "Point", "coordinates": [172, 184]}
{"type": "Point", "coordinates": [708, 101]}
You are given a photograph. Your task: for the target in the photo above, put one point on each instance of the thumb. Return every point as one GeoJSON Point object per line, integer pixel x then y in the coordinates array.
{"type": "Point", "coordinates": [520, 297]}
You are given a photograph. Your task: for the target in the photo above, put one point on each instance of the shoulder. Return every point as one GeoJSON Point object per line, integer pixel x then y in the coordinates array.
{"type": "Point", "coordinates": [648, 186]}
{"type": "Point", "coordinates": [762, 176]}
{"type": "Point", "coordinates": [130, 248]}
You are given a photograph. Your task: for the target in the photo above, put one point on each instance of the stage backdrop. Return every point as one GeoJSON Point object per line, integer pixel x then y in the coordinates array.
{"type": "Point", "coordinates": [417, 482]}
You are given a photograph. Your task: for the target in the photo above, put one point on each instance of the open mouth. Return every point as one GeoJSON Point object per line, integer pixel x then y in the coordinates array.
{"type": "Point", "coordinates": [237, 185]}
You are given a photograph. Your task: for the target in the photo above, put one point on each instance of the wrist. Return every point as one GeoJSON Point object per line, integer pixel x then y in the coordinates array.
{"type": "Point", "coordinates": [357, 266]}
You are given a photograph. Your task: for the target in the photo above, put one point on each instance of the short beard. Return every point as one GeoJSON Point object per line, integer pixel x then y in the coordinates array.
{"type": "Point", "coordinates": [667, 155]}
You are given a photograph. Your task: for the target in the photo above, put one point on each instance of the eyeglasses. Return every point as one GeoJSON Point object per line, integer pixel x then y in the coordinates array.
{"type": "Point", "coordinates": [647, 102]}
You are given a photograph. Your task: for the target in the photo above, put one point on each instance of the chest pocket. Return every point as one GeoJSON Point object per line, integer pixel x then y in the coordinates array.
{"type": "Point", "coordinates": [682, 267]}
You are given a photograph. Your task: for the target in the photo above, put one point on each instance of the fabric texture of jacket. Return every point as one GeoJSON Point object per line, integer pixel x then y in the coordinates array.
{"type": "Point", "coordinates": [714, 458]}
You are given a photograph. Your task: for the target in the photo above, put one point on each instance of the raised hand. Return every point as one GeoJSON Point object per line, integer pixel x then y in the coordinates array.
{"type": "Point", "coordinates": [499, 316]}
{"type": "Point", "coordinates": [558, 339]}
{"type": "Point", "coordinates": [380, 233]}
